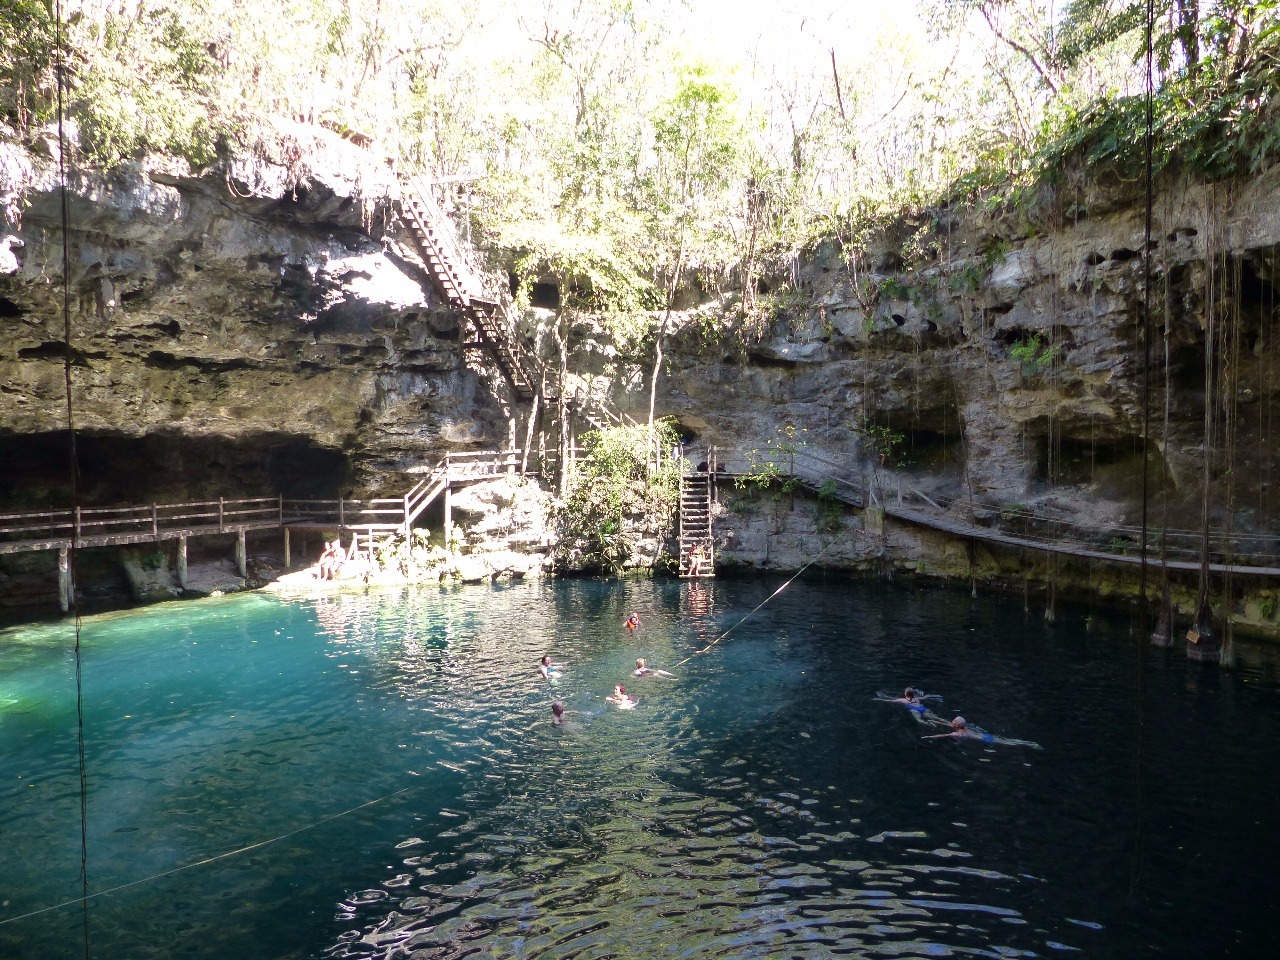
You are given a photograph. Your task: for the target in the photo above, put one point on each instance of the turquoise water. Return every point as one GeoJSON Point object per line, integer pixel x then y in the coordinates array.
{"type": "Point", "coordinates": [760, 805]}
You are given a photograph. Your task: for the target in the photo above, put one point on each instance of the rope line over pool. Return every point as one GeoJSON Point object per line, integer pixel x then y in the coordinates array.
{"type": "Point", "coordinates": [697, 653]}
{"type": "Point", "coordinates": [201, 863]}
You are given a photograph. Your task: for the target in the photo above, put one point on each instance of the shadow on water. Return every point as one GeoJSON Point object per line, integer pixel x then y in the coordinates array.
{"type": "Point", "coordinates": [761, 804]}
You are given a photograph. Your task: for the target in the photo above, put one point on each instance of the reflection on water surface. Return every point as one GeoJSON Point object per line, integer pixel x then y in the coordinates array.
{"type": "Point", "coordinates": [759, 805]}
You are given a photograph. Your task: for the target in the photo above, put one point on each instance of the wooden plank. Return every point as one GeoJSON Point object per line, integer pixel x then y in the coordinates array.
{"type": "Point", "coordinates": [126, 539]}
{"type": "Point", "coordinates": [1067, 549]}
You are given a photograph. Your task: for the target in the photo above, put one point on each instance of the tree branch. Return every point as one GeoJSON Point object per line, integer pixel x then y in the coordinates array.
{"type": "Point", "coordinates": [836, 75]}
{"type": "Point", "coordinates": [1025, 51]}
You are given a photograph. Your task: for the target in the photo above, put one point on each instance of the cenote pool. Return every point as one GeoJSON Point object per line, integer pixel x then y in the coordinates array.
{"type": "Point", "coordinates": [760, 805]}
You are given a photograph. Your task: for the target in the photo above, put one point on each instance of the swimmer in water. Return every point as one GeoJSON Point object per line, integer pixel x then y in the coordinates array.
{"type": "Point", "coordinates": [642, 671]}
{"type": "Point", "coordinates": [545, 668]}
{"type": "Point", "coordinates": [620, 696]}
{"type": "Point", "coordinates": [913, 700]}
{"type": "Point", "coordinates": [632, 622]}
{"type": "Point", "coordinates": [960, 730]}
{"type": "Point", "coordinates": [557, 713]}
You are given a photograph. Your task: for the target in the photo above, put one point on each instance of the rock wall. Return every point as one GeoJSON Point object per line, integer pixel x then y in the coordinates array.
{"type": "Point", "coordinates": [235, 331]}
{"type": "Point", "coordinates": [238, 329]}
{"type": "Point", "coordinates": [232, 329]}
{"type": "Point", "coordinates": [1001, 374]}
{"type": "Point", "coordinates": [946, 356]}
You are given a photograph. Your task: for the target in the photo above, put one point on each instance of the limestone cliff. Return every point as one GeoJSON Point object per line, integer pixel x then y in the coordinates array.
{"type": "Point", "coordinates": [234, 328]}
{"type": "Point", "coordinates": [240, 328]}
{"type": "Point", "coordinates": [994, 363]}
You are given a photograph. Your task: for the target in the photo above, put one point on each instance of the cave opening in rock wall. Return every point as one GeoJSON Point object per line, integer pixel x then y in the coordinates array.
{"type": "Point", "coordinates": [933, 452]}
{"type": "Point", "coordinates": [164, 467]}
{"type": "Point", "coordinates": [923, 441]}
{"type": "Point", "coordinates": [1111, 465]}
{"type": "Point", "coordinates": [544, 295]}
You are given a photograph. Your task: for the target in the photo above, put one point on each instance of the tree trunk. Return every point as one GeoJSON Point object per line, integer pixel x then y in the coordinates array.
{"type": "Point", "coordinates": [1188, 33]}
{"type": "Point", "coordinates": [662, 330]}
{"type": "Point", "coordinates": [562, 410]}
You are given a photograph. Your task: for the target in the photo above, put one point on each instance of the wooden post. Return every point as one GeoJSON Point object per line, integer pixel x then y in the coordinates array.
{"type": "Point", "coordinates": [65, 587]}
{"type": "Point", "coordinates": [241, 560]}
{"type": "Point", "coordinates": [528, 433]}
{"type": "Point", "coordinates": [76, 535]}
{"type": "Point", "coordinates": [288, 560]}
{"type": "Point", "coordinates": [182, 561]}
{"type": "Point", "coordinates": [405, 525]}
{"type": "Point", "coordinates": [448, 515]}
{"type": "Point", "coordinates": [155, 523]}
{"type": "Point", "coordinates": [221, 529]}
{"type": "Point", "coordinates": [280, 510]}
{"type": "Point", "coordinates": [342, 519]}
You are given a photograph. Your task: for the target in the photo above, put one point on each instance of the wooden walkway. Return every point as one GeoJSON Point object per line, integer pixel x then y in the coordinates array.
{"type": "Point", "coordinates": [828, 478]}
{"type": "Point", "coordinates": [987, 535]}
{"type": "Point", "coordinates": [85, 528]}
{"type": "Point", "coordinates": [454, 274]}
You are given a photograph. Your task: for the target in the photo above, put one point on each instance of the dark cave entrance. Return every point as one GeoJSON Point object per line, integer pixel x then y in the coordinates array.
{"type": "Point", "coordinates": [164, 467]}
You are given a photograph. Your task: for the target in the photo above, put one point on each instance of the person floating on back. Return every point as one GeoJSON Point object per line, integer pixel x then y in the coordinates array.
{"type": "Point", "coordinates": [643, 671]}
{"type": "Point", "coordinates": [632, 622]}
{"type": "Point", "coordinates": [620, 697]}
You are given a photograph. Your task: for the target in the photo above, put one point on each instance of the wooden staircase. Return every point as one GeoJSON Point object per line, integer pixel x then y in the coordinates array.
{"type": "Point", "coordinates": [449, 265]}
{"type": "Point", "coordinates": [460, 282]}
{"type": "Point", "coordinates": [696, 489]}
{"type": "Point", "coordinates": [595, 410]}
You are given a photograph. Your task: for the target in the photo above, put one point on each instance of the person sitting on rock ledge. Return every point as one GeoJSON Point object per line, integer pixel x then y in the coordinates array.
{"type": "Point", "coordinates": [331, 561]}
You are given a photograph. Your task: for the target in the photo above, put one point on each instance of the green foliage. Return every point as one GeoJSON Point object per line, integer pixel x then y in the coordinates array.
{"type": "Point", "coordinates": [1013, 511]}
{"type": "Point", "coordinates": [616, 489]}
{"type": "Point", "coordinates": [893, 288]}
{"type": "Point", "coordinates": [696, 132]}
{"type": "Point", "coordinates": [27, 84]}
{"type": "Point", "coordinates": [830, 509]}
{"type": "Point", "coordinates": [149, 87]}
{"type": "Point", "coordinates": [1215, 111]}
{"type": "Point", "coordinates": [412, 557]}
{"type": "Point", "coordinates": [1034, 355]}
{"type": "Point", "coordinates": [775, 465]}
{"type": "Point", "coordinates": [1119, 544]}
{"type": "Point", "coordinates": [886, 444]}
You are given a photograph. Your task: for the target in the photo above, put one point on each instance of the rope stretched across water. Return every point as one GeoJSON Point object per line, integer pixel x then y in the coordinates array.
{"type": "Point", "coordinates": [698, 653]}
{"type": "Point", "coordinates": [201, 863]}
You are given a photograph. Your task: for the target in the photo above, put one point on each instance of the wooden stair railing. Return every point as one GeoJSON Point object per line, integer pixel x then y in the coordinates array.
{"type": "Point", "coordinates": [424, 492]}
{"type": "Point", "coordinates": [696, 487]}
{"type": "Point", "coordinates": [461, 282]}
{"type": "Point", "coordinates": [458, 278]}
